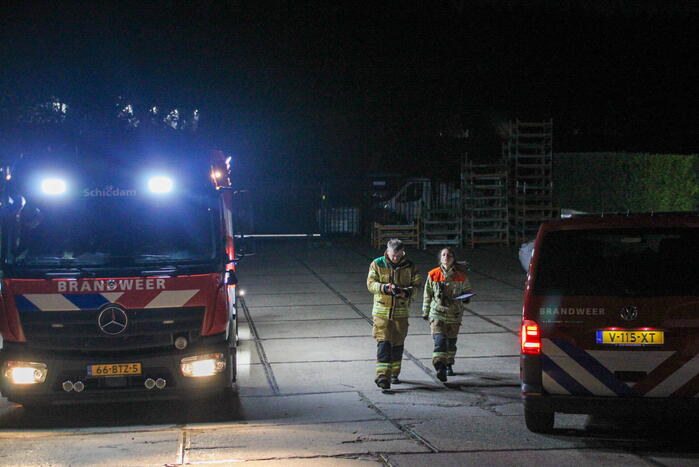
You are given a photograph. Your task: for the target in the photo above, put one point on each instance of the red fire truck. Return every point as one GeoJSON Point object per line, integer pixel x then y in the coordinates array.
{"type": "Point", "coordinates": [118, 277]}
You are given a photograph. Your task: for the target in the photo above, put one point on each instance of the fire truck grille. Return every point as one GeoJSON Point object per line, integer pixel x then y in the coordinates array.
{"type": "Point", "coordinates": [80, 330]}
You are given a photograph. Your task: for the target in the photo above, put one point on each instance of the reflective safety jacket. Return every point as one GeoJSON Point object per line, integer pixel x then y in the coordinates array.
{"type": "Point", "coordinates": [404, 275]}
{"type": "Point", "coordinates": [440, 289]}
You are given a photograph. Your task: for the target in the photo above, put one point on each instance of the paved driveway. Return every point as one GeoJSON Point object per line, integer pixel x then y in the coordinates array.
{"type": "Point", "coordinates": [306, 393]}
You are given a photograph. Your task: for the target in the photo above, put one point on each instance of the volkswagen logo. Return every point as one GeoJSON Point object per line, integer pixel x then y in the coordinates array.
{"type": "Point", "coordinates": [111, 284]}
{"type": "Point", "coordinates": [112, 320]}
{"type": "Point", "coordinates": [629, 312]}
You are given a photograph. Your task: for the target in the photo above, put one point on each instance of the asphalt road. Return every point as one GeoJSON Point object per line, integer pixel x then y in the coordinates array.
{"type": "Point", "coordinates": [306, 394]}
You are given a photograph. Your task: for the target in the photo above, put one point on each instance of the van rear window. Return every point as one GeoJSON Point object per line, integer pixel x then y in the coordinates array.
{"type": "Point", "coordinates": [619, 262]}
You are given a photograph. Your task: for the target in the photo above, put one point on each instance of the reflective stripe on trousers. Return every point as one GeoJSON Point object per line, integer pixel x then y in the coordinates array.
{"type": "Point", "coordinates": [444, 349]}
{"type": "Point", "coordinates": [388, 359]}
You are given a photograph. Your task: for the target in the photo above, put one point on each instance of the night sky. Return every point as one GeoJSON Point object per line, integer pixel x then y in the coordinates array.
{"type": "Point", "coordinates": [308, 87]}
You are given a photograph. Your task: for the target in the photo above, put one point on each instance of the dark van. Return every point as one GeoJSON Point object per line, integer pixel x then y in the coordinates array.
{"type": "Point", "coordinates": [611, 317]}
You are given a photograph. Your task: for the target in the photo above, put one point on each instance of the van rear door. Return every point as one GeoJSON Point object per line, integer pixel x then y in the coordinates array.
{"type": "Point", "coordinates": [618, 310]}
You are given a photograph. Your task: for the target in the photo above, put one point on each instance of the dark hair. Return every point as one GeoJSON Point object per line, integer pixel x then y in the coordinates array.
{"type": "Point", "coordinates": [449, 249]}
{"type": "Point", "coordinates": [457, 265]}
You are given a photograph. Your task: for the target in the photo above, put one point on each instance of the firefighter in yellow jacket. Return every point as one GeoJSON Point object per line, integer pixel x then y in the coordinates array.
{"type": "Point", "coordinates": [393, 280]}
{"type": "Point", "coordinates": [443, 310]}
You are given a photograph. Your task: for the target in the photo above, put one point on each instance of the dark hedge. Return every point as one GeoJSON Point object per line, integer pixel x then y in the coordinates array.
{"type": "Point", "coordinates": [607, 182]}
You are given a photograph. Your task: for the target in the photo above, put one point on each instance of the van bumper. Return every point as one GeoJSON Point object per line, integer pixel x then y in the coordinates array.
{"type": "Point", "coordinates": [606, 405]}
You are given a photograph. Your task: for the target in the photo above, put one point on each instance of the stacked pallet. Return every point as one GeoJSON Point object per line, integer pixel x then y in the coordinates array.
{"type": "Point", "coordinates": [440, 226]}
{"type": "Point", "coordinates": [409, 234]}
{"type": "Point", "coordinates": [485, 203]}
{"type": "Point", "coordinates": [532, 208]}
{"type": "Point", "coordinates": [529, 152]}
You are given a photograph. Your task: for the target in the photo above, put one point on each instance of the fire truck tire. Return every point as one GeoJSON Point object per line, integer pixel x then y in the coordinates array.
{"type": "Point", "coordinates": [229, 401]}
{"type": "Point", "coordinates": [233, 362]}
{"type": "Point", "coordinates": [539, 422]}
{"type": "Point", "coordinates": [230, 393]}
{"type": "Point", "coordinates": [233, 332]}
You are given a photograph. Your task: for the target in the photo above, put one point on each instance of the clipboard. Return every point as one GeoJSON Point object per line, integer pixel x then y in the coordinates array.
{"type": "Point", "coordinates": [465, 296]}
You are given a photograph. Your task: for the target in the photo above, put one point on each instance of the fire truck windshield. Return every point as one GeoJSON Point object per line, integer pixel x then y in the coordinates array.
{"type": "Point", "coordinates": [112, 232]}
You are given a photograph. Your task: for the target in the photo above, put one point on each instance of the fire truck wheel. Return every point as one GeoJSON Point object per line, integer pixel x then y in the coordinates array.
{"type": "Point", "coordinates": [229, 402]}
{"type": "Point", "coordinates": [233, 332]}
{"type": "Point", "coordinates": [539, 422]}
{"type": "Point", "coordinates": [234, 365]}
{"type": "Point", "coordinates": [230, 395]}
{"type": "Point", "coordinates": [235, 328]}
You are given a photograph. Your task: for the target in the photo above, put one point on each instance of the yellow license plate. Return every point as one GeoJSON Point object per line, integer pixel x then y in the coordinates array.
{"type": "Point", "coordinates": [631, 337]}
{"type": "Point", "coordinates": [114, 369]}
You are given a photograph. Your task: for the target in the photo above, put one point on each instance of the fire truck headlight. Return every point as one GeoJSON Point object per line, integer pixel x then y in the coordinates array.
{"type": "Point", "coordinates": [25, 372]}
{"type": "Point", "coordinates": [53, 186]}
{"type": "Point", "coordinates": [203, 365]}
{"type": "Point", "coordinates": [160, 184]}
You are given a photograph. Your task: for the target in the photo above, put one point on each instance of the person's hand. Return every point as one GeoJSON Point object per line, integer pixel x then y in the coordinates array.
{"type": "Point", "coordinates": [426, 317]}
{"type": "Point", "coordinates": [390, 288]}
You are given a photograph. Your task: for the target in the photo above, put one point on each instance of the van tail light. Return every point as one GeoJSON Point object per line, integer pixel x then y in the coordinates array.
{"type": "Point", "coordinates": [531, 339]}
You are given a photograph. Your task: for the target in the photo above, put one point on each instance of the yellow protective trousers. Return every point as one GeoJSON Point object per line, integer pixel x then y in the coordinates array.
{"type": "Point", "coordinates": [445, 336]}
{"type": "Point", "coordinates": [390, 336]}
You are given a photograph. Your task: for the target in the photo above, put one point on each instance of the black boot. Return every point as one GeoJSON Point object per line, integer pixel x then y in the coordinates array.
{"type": "Point", "coordinates": [450, 370]}
{"type": "Point", "coordinates": [383, 382]}
{"type": "Point", "coordinates": [395, 380]}
{"type": "Point", "coordinates": [441, 371]}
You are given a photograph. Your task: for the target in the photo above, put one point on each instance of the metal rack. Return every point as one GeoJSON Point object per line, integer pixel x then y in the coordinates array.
{"type": "Point", "coordinates": [485, 203]}
{"type": "Point", "coordinates": [529, 153]}
{"type": "Point", "coordinates": [440, 226]}
{"type": "Point", "coordinates": [382, 233]}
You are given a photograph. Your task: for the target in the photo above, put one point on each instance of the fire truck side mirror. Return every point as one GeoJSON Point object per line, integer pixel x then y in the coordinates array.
{"type": "Point", "coordinates": [235, 260]}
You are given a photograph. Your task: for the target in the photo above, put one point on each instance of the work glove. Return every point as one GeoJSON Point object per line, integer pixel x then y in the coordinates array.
{"type": "Point", "coordinates": [403, 293]}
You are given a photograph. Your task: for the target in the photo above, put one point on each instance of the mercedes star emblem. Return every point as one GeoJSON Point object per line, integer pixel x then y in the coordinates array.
{"type": "Point", "coordinates": [112, 320]}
